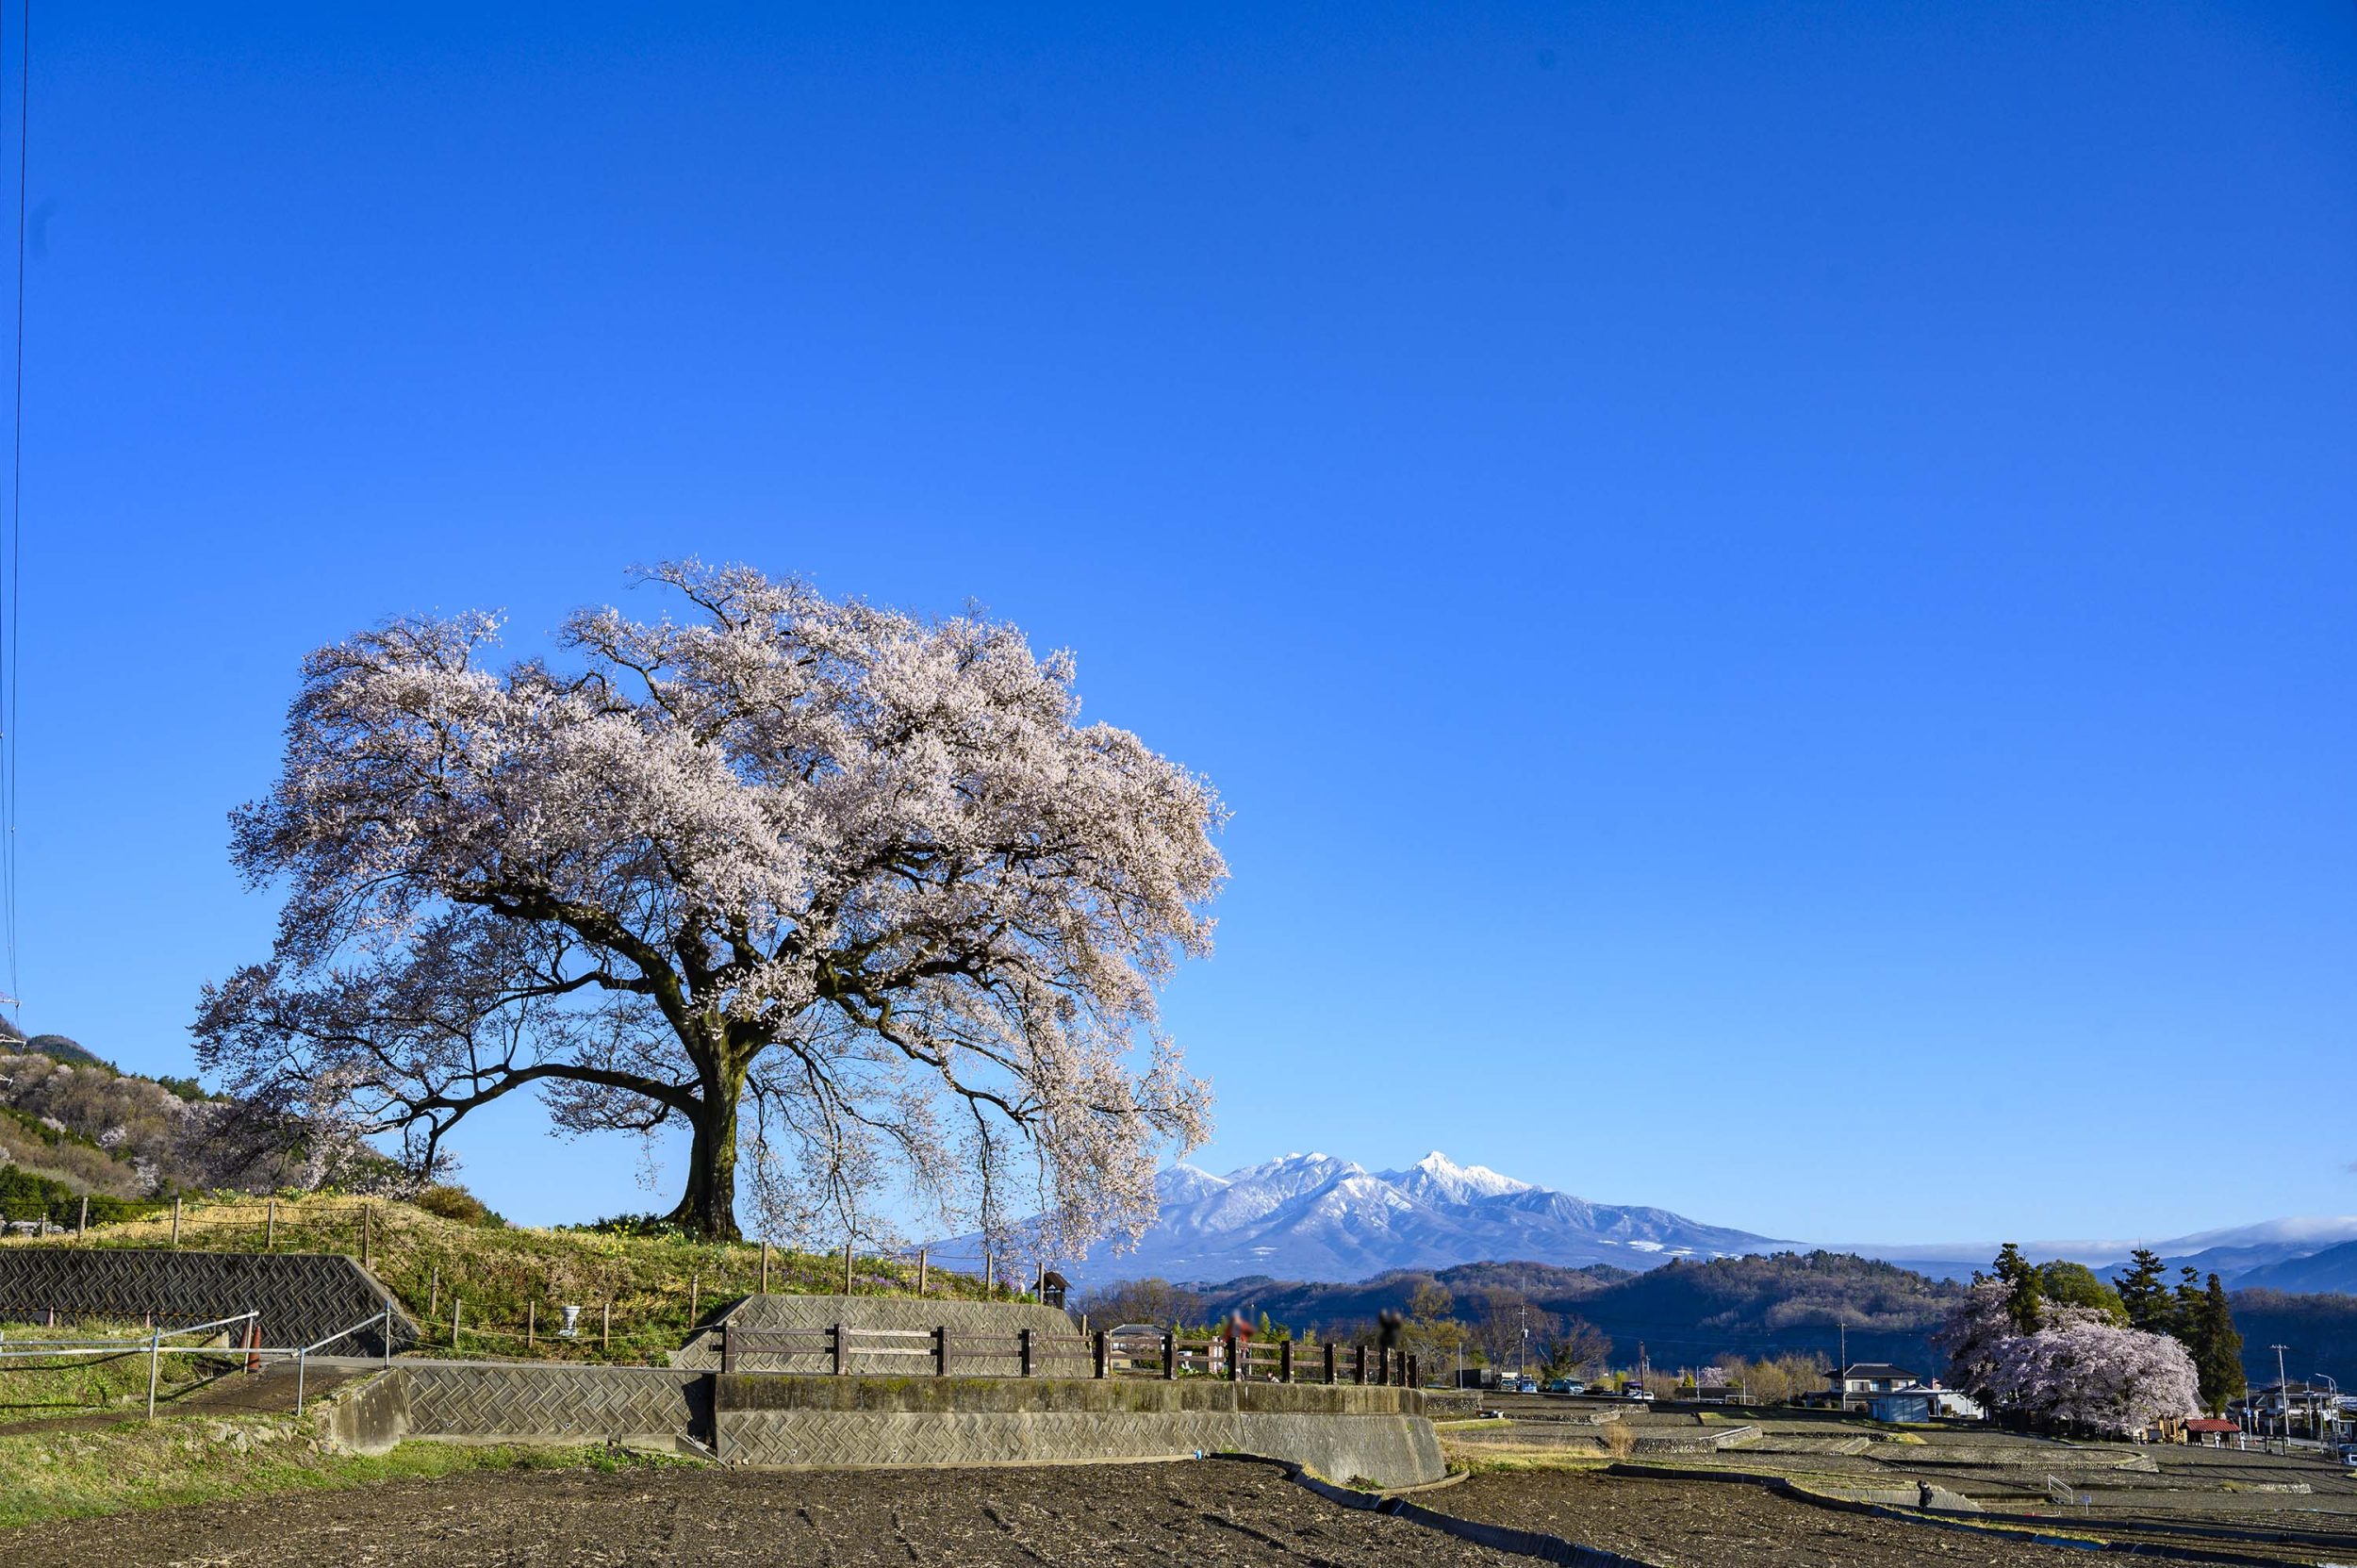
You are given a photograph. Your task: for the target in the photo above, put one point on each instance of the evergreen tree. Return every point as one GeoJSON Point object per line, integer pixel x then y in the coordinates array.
{"type": "Point", "coordinates": [2185, 1312]}
{"type": "Point", "coordinates": [2022, 1292]}
{"type": "Point", "coordinates": [2142, 1293]}
{"type": "Point", "coordinates": [2218, 1352]}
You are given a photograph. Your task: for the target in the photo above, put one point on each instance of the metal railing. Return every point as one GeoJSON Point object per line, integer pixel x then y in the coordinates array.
{"type": "Point", "coordinates": [252, 1350]}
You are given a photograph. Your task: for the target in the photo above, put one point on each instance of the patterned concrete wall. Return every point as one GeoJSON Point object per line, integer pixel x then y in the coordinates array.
{"type": "Point", "coordinates": [302, 1297]}
{"type": "Point", "coordinates": [525, 1402]}
{"type": "Point", "coordinates": [765, 1419]}
{"type": "Point", "coordinates": [1389, 1450]}
{"type": "Point", "coordinates": [996, 1320]}
{"type": "Point", "coordinates": [827, 1422]}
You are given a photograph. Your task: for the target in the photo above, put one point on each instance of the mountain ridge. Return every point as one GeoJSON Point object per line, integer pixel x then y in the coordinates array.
{"type": "Point", "coordinates": [1316, 1217]}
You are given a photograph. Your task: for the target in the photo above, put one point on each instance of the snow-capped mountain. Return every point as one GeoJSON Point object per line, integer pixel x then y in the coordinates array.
{"type": "Point", "coordinates": [1312, 1216]}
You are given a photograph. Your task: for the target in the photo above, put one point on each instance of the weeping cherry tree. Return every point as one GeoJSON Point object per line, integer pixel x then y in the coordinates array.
{"type": "Point", "coordinates": [853, 889]}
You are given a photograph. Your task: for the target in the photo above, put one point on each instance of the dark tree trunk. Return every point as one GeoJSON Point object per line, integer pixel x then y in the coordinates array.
{"type": "Point", "coordinates": [709, 1205]}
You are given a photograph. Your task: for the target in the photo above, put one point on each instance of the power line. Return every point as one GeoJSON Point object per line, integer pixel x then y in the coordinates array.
{"type": "Point", "coordinates": [16, 494]}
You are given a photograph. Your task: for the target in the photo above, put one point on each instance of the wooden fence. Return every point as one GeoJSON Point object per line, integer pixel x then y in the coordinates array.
{"type": "Point", "coordinates": [942, 1352]}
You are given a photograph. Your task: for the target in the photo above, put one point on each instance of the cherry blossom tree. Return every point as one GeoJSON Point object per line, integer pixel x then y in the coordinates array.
{"type": "Point", "coordinates": [2077, 1368]}
{"type": "Point", "coordinates": [857, 885]}
{"type": "Point", "coordinates": [2095, 1375]}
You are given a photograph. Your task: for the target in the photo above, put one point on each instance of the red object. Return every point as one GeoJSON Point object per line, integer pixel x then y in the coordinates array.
{"type": "Point", "coordinates": [2212, 1424]}
{"type": "Point", "coordinates": [253, 1344]}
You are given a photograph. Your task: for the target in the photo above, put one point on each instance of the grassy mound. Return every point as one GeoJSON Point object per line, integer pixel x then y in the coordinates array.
{"type": "Point", "coordinates": [505, 1284]}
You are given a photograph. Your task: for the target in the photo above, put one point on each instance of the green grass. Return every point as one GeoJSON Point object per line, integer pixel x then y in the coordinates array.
{"type": "Point", "coordinates": [500, 1273]}
{"type": "Point", "coordinates": [32, 1389]}
{"type": "Point", "coordinates": [176, 1461]}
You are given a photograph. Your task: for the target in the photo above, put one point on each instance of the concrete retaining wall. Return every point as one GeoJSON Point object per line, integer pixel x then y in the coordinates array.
{"type": "Point", "coordinates": [525, 1402]}
{"type": "Point", "coordinates": [1342, 1432]}
{"type": "Point", "coordinates": [302, 1297]}
{"type": "Point", "coordinates": [766, 1419]}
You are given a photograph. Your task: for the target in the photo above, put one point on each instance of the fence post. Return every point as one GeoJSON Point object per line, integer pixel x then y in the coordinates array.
{"type": "Point", "coordinates": [606, 1328]}
{"type": "Point", "coordinates": [1170, 1356]}
{"type": "Point", "coordinates": [1104, 1355]}
{"type": "Point", "coordinates": [921, 1265]}
{"type": "Point", "coordinates": [941, 1351]}
{"type": "Point", "coordinates": [695, 1289]}
{"type": "Point", "coordinates": [727, 1347]}
{"type": "Point", "coordinates": [1024, 1337]}
{"type": "Point", "coordinates": [176, 1222]}
{"type": "Point", "coordinates": [765, 1268]}
{"type": "Point", "coordinates": [847, 1266]}
{"type": "Point", "coordinates": [990, 1278]}
{"type": "Point", "coordinates": [384, 1332]}
{"type": "Point", "coordinates": [1358, 1363]}
{"type": "Point", "coordinates": [531, 1323]}
{"type": "Point", "coordinates": [1329, 1361]}
{"type": "Point", "coordinates": [81, 1221]}
{"type": "Point", "coordinates": [842, 1350]}
{"type": "Point", "coordinates": [457, 1305]}
{"type": "Point", "coordinates": [1284, 1361]}
{"type": "Point", "coordinates": [269, 1228]}
{"type": "Point", "coordinates": [367, 1235]}
{"type": "Point", "coordinates": [302, 1364]}
{"type": "Point", "coordinates": [154, 1361]}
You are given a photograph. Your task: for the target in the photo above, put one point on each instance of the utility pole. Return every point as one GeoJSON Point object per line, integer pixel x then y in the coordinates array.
{"type": "Point", "coordinates": [1841, 1373]}
{"type": "Point", "coordinates": [2283, 1389]}
{"type": "Point", "coordinates": [1525, 1369]}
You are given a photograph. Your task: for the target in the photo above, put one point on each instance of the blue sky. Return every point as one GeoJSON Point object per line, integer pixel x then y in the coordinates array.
{"type": "Point", "coordinates": [1772, 587]}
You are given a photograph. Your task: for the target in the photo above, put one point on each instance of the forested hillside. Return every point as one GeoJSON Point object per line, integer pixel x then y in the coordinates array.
{"type": "Point", "coordinates": [75, 1125]}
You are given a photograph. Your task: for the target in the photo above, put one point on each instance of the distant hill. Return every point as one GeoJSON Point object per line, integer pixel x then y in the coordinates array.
{"type": "Point", "coordinates": [73, 1125]}
{"type": "Point", "coordinates": [1683, 1313]}
{"type": "Point", "coordinates": [1691, 1313]}
{"type": "Point", "coordinates": [59, 1048]}
{"type": "Point", "coordinates": [2318, 1332]}
{"type": "Point", "coordinates": [2333, 1269]}
{"type": "Point", "coordinates": [1304, 1303]}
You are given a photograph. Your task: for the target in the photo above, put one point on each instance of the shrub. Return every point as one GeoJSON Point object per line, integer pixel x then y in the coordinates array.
{"type": "Point", "coordinates": [450, 1201]}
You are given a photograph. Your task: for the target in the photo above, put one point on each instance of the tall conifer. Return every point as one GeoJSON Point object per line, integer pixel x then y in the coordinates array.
{"type": "Point", "coordinates": [2143, 1294]}
{"type": "Point", "coordinates": [2217, 1354]}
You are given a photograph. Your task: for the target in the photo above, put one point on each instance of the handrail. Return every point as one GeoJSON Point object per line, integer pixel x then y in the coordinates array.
{"type": "Point", "coordinates": [385, 1342]}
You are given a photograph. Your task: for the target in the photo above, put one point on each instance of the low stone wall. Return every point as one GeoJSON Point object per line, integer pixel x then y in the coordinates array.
{"type": "Point", "coordinates": [769, 1419]}
{"type": "Point", "coordinates": [302, 1297]}
{"type": "Point", "coordinates": [1343, 1432]}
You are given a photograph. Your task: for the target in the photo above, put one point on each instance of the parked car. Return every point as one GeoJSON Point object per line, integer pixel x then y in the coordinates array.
{"type": "Point", "coordinates": [1564, 1385]}
{"type": "Point", "coordinates": [2349, 1454]}
{"type": "Point", "coordinates": [1523, 1386]}
{"type": "Point", "coordinates": [1635, 1391]}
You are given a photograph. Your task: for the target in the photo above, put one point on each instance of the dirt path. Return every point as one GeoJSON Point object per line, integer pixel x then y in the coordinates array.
{"type": "Point", "coordinates": [1226, 1515]}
